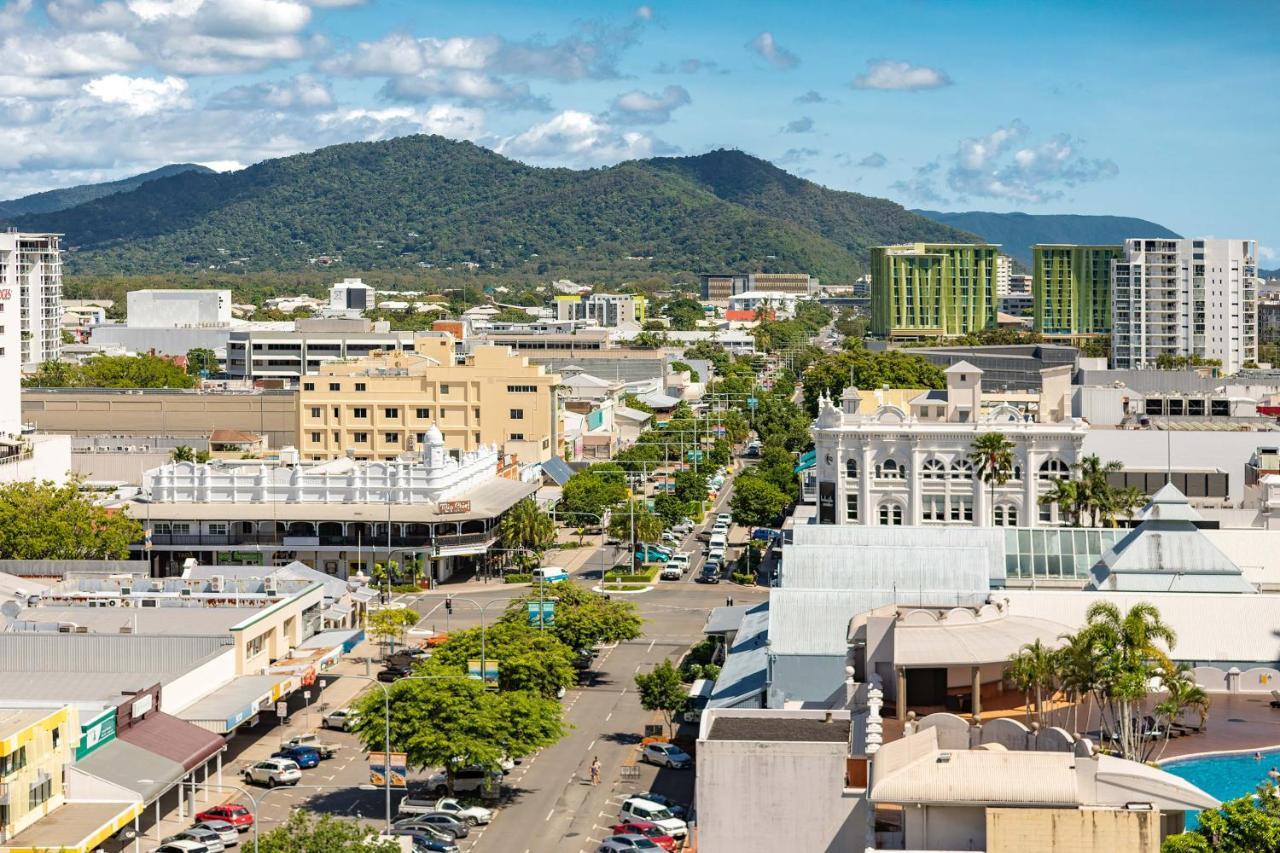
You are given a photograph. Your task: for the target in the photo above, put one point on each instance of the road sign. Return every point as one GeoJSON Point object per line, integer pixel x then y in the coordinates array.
{"type": "Point", "coordinates": [752, 402]}
{"type": "Point", "coordinates": [282, 709]}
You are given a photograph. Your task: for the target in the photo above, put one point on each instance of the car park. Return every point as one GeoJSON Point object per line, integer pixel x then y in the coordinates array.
{"type": "Point", "coordinates": [412, 824]}
{"type": "Point", "coordinates": [666, 755]}
{"type": "Point", "coordinates": [635, 808]}
{"type": "Point", "coordinates": [233, 813]}
{"type": "Point", "coordinates": [270, 772]}
{"type": "Point", "coordinates": [227, 832]}
{"type": "Point", "coordinates": [670, 537]}
{"type": "Point", "coordinates": [305, 757]}
{"type": "Point", "coordinates": [649, 830]}
{"type": "Point", "coordinates": [212, 841]}
{"type": "Point", "coordinates": [624, 843]}
{"type": "Point", "coordinates": [676, 808]}
{"type": "Point", "coordinates": [343, 719]}
{"type": "Point", "coordinates": [311, 739]}
{"type": "Point", "coordinates": [466, 780]}
{"type": "Point", "coordinates": [182, 845]}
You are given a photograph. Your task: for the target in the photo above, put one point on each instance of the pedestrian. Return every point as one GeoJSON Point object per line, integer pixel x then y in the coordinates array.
{"type": "Point", "coordinates": [595, 771]}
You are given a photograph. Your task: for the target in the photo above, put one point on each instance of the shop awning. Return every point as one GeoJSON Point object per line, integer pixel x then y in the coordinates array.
{"type": "Point", "coordinates": [230, 705]}
{"type": "Point", "coordinates": [133, 768]}
{"type": "Point", "coordinates": [175, 739]}
{"type": "Point", "coordinates": [72, 828]}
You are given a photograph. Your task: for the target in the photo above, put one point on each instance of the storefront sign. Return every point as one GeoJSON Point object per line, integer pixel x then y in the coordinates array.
{"type": "Point", "coordinates": [453, 507]}
{"type": "Point", "coordinates": [97, 732]}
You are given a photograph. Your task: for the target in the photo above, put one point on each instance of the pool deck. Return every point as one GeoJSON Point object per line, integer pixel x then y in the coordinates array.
{"type": "Point", "coordinates": [1238, 722]}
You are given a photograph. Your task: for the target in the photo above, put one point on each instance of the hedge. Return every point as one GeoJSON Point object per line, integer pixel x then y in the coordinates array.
{"type": "Point", "coordinates": [518, 577]}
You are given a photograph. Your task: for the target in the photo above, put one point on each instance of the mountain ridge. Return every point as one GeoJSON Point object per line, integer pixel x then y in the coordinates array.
{"type": "Point", "coordinates": [51, 201]}
{"type": "Point", "coordinates": [426, 200]}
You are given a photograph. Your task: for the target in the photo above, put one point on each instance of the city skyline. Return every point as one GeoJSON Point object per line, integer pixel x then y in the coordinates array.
{"type": "Point", "coordinates": [1044, 110]}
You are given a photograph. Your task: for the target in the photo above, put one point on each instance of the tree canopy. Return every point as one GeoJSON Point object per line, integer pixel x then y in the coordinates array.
{"type": "Point", "coordinates": [662, 690]}
{"type": "Point", "coordinates": [756, 502]}
{"type": "Point", "coordinates": [112, 371]}
{"type": "Point", "coordinates": [832, 373]}
{"type": "Point", "coordinates": [592, 492]}
{"type": "Point", "coordinates": [528, 659]}
{"type": "Point", "coordinates": [304, 832]}
{"type": "Point", "coordinates": [44, 521]}
{"type": "Point", "coordinates": [583, 619]}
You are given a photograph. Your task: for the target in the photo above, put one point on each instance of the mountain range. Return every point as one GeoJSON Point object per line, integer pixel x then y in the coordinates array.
{"type": "Point", "coordinates": [55, 200]}
{"type": "Point", "coordinates": [429, 201]}
{"type": "Point", "coordinates": [1018, 232]}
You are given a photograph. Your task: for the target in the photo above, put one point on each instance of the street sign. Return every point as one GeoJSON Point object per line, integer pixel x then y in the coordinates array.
{"type": "Point", "coordinates": [542, 613]}
{"type": "Point", "coordinates": [377, 769]}
{"type": "Point", "coordinates": [282, 709]}
{"type": "Point", "coordinates": [752, 402]}
{"type": "Point", "coordinates": [306, 694]}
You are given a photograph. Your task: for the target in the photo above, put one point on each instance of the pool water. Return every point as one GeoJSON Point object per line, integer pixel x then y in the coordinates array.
{"type": "Point", "coordinates": [1226, 777]}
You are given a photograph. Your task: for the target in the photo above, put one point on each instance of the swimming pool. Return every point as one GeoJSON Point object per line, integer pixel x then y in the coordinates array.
{"type": "Point", "coordinates": [1224, 776]}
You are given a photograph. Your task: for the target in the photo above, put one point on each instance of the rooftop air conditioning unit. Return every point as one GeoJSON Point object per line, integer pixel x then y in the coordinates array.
{"type": "Point", "coordinates": [215, 583]}
{"type": "Point", "coordinates": [157, 586]}
{"type": "Point", "coordinates": [126, 590]}
{"type": "Point", "coordinates": [269, 585]}
{"type": "Point", "coordinates": [81, 629]}
{"type": "Point", "coordinates": [185, 592]}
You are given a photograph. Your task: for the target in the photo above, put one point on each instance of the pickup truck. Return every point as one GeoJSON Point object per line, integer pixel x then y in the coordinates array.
{"type": "Point", "coordinates": [675, 568]}
{"type": "Point", "coordinates": [326, 750]}
{"type": "Point", "coordinates": [472, 815]}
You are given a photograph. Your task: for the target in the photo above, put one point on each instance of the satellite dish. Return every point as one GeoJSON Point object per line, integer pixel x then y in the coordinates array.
{"type": "Point", "coordinates": [10, 610]}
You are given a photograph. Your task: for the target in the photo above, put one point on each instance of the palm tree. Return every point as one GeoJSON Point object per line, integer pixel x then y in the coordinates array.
{"type": "Point", "coordinates": [1077, 673]}
{"type": "Point", "coordinates": [1183, 694]}
{"type": "Point", "coordinates": [1034, 669]}
{"type": "Point", "coordinates": [992, 457]}
{"type": "Point", "coordinates": [183, 453]}
{"type": "Point", "coordinates": [1067, 495]}
{"type": "Point", "coordinates": [526, 528]}
{"type": "Point", "coordinates": [1096, 494]}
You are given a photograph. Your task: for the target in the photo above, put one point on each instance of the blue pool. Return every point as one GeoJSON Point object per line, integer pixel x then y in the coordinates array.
{"type": "Point", "coordinates": [1224, 776]}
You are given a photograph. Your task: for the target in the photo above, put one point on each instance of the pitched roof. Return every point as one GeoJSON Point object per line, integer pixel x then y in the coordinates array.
{"type": "Point", "coordinates": [963, 367]}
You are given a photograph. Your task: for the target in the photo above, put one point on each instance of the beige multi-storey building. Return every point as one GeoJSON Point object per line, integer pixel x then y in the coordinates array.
{"type": "Point", "coordinates": [382, 406]}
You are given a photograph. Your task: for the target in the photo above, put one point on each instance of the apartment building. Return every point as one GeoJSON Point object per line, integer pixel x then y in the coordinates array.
{"type": "Point", "coordinates": [36, 746]}
{"type": "Point", "coordinates": [608, 310]}
{"type": "Point", "coordinates": [309, 345]}
{"type": "Point", "coordinates": [31, 268]}
{"type": "Point", "coordinates": [921, 290]}
{"type": "Point", "coordinates": [719, 287]}
{"type": "Point", "coordinates": [1071, 287]}
{"type": "Point", "coordinates": [379, 407]}
{"type": "Point", "coordinates": [1195, 298]}
{"type": "Point", "coordinates": [1004, 271]}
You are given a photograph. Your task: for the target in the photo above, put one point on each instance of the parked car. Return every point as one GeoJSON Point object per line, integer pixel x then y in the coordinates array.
{"type": "Point", "coordinates": [666, 755]}
{"type": "Point", "coordinates": [211, 840]}
{"type": "Point", "coordinates": [343, 719]}
{"type": "Point", "coordinates": [623, 843]}
{"type": "Point", "coordinates": [635, 808]}
{"type": "Point", "coordinates": [671, 537]}
{"type": "Point", "coordinates": [305, 757]}
{"type": "Point", "coordinates": [407, 657]}
{"type": "Point", "coordinates": [677, 809]}
{"type": "Point", "coordinates": [718, 540]}
{"type": "Point", "coordinates": [649, 830]}
{"type": "Point", "coordinates": [549, 574]}
{"type": "Point", "coordinates": [710, 572]}
{"type": "Point", "coordinates": [312, 740]}
{"type": "Point", "coordinates": [466, 780]}
{"type": "Point", "coordinates": [233, 813]}
{"type": "Point", "coordinates": [412, 823]}
{"type": "Point", "coordinates": [650, 554]}
{"type": "Point", "coordinates": [471, 815]}
{"type": "Point", "coordinates": [182, 845]}
{"type": "Point", "coordinates": [447, 824]}
{"type": "Point", "coordinates": [228, 833]}
{"type": "Point", "coordinates": [424, 843]}
{"type": "Point", "coordinates": [393, 673]}
{"type": "Point", "coordinates": [271, 772]}
{"type": "Point", "coordinates": [672, 571]}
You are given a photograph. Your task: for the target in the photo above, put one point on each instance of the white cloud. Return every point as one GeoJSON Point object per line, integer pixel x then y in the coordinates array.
{"type": "Point", "coordinates": [469, 87]}
{"type": "Point", "coordinates": [639, 107]}
{"type": "Point", "coordinates": [874, 160]}
{"type": "Point", "coordinates": [775, 54]}
{"type": "Point", "coordinates": [1267, 253]}
{"type": "Point", "coordinates": [30, 54]}
{"type": "Point", "coordinates": [140, 96]}
{"type": "Point", "coordinates": [577, 138]}
{"type": "Point", "coordinates": [444, 119]}
{"type": "Point", "coordinates": [303, 92]}
{"type": "Point", "coordinates": [12, 86]}
{"type": "Point", "coordinates": [241, 18]}
{"type": "Point", "coordinates": [897, 75]}
{"type": "Point", "coordinates": [223, 165]}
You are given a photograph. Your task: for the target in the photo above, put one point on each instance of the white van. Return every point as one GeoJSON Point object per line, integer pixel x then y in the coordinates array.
{"type": "Point", "coordinates": [720, 541]}
{"type": "Point", "coordinates": [640, 809]}
{"type": "Point", "coordinates": [549, 574]}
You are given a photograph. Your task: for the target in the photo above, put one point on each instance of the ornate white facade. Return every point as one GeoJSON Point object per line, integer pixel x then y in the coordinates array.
{"type": "Point", "coordinates": [892, 466]}
{"type": "Point", "coordinates": [426, 478]}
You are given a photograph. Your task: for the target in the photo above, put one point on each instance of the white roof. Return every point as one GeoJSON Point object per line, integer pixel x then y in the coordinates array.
{"type": "Point", "coordinates": [960, 640]}
{"type": "Point", "coordinates": [904, 567]}
{"type": "Point", "coordinates": [963, 367]}
{"type": "Point", "coordinates": [816, 621]}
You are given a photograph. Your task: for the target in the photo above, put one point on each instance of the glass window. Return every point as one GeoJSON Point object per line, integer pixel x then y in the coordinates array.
{"type": "Point", "coordinates": [360, 386]}
{"type": "Point", "coordinates": [391, 412]}
{"type": "Point", "coordinates": [517, 414]}
{"type": "Point", "coordinates": [360, 412]}
{"type": "Point", "coordinates": [308, 386]}
{"type": "Point", "coordinates": [851, 507]}
{"type": "Point", "coordinates": [851, 469]}
{"type": "Point", "coordinates": [422, 414]}
{"type": "Point", "coordinates": [335, 386]}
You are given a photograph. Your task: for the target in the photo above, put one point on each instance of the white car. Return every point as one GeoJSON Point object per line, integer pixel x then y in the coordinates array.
{"type": "Point", "coordinates": [715, 554]}
{"type": "Point", "coordinates": [724, 518]}
{"type": "Point", "coordinates": [342, 719]}
{"type": "Point", "coordinates": [720, 529]}
{"type": "Point", "coordinates": [472, 815]}
{"type": "Point", "coordinates": [272, 772]}
{"type": "Point", "coordinates": [636, 808]}
{"type": "Point", "coordinates": [666, 755]}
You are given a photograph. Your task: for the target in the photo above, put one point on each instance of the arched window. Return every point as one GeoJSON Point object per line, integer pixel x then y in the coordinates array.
{"type": "Point", "coordinates": [1016, 476]}
{"type": "Point", "coordinates": [889, 469]}
{"type": "Point", "coordinates": [962, 470]}
{"type": "Point", "coordinates": [933, 469]}
{"type": "Point", "coordinates": [1006, 515]}
{"type": "Point", "coordinates": [1054, 469]}
{"type": "Point", "coordinates": [891, 514]}
{"type": "Point", "coordinates": [851, 469]}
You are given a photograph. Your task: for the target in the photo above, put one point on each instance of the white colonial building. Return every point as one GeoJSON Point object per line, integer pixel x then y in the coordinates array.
{"type": "Point", "coordinates": [907, 464]}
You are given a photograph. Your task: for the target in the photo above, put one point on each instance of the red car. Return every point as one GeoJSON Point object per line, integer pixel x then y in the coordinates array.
{"type": "Point", "coordinates": [233, 813]}
{"type": "Point", "coordinates": [649, 830]}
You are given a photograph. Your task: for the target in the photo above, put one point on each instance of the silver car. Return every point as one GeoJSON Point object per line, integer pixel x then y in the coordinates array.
{"type": "Point", "coordinates": [210, 840]}
{"type": "Point", "coordinates": [227, 832]}
{"type": "Point", "coordinates": [623, 843]}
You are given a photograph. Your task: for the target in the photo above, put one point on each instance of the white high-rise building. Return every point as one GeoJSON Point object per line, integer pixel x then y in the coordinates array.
{"type": "Point", "coordinates": [1004, 269]}
{"type": "Point", "coordinates": [31, 266]}
{"type": "Point", "coordinates": [1185, 298]}
{"type": "Point", "coordinates": [10, 343]}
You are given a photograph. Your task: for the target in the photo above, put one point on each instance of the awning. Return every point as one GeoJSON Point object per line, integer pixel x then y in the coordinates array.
{"type": "Point", "coordinates": [133, 768]}
{"type": "Point", "coordinates": [339, 642]}
{"type": "Point", "coordinates": [73, 828]}
{"type": "Point", "coordinates": [229, 706]}
{"type": "Point", "coordinates": [175, 739]}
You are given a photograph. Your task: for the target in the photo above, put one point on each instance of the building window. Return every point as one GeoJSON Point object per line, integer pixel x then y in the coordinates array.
{"type": "Point", "coordinates": [217, 528]}
{"type": "Point", "coordinates": [420, 437]}
{"type": "Point", "coordinates": [1054, 469]}
{"type": "Point", "coordinates": [360, 412]}
{"type": "Point", "coordinates": [444, 389]}
{"type": "Point", "coordinates": [962, 470]}
{"type": "Point", "coordinates": [851, 469]}
{"type": "Point", "coordinates": [254, 647]}
{"type": "Point", "coordinates": [961, 508]}
{"type": "Point", "coordinates": [1006, 515]}
{"type": "Point", "coordinates": [1046, 513]}
{"type": "Point", "coordinates": [335, 413]}
{"type": "Point", "coordinates": [933, 469]}
{"type": "Point", "coordinates": [891, 515]}
{"type": "Point", "coordinates": [516, 436]}
{"type": "Point", "coordinates": [391, 437]}
{"type": "Point", "coordinates": [40, 792]}
{"type": "Point", "coordinates": [360, 386]}
{"type": "Point", "coordinates": [315, 437]}
{"type": "Point", "coordinates": [308, 386]}
{"type": "Point", "coordinates": [316, 411]}
{"type": "Point", "coordinates": [889, 469]}
{"type": "Point", "coordinates": [360, 437]}
{"type": "Point", "coordinates": [851, 507]}
{"type": "Point", "coordinates": [475, 437]}
{"type": "Point", "coordinates": [522, 389]}
{"type": "Point", "coordinates": [422, 414]}
{"type": "Point", "coordinates": [14, 761]}
{"type": "Point", "coordinates": [517, 414]}
{"type": "Point", "coordinates": [391, 413]}
{"type": "Point", "coordinates": [933, 508]}
{"type": "Point", "coordinates": [335, 386]}
{"type": "Point", "coordinates": [181, 527]}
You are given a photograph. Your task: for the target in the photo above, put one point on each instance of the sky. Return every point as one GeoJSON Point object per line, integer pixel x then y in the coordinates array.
{"type": "Point", "coordinates": [1162, 110]}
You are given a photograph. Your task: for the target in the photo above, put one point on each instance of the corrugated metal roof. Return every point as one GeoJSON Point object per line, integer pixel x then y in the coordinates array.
{"type": "Point", "coordinates": [744, 674]}
{"type": "Point", "coordinates": [901, 565]}
{"type": "Point", "coordinates": [174, 739]}
{"type": "Point", "coordinates": [557, 470]}
{"type": "Point", "coordinates": [133, 768]}
{"type": "Point", "coordinates": [105, 653]}
{"type": "Point", "coordinates": [816, 621]}
{"type": "Point", "coordinates": [942, 538]}
{"type": "Point", "coordinates": [233, 702]}
{"type": "Point", "coordinates": [973, 643]}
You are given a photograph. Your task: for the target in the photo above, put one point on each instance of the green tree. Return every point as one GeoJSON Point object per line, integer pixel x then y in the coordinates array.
{"type": "Point", "coordinates": [756, 502]}
{"type": "Point", "coordinates": [133, 371]}
{"type": "Point", "coordinates": [685, 367]}
{"type": "Point", "coordinates": [511, 315]}
{"type": "Point", "coordinates": [832, 373]}
{"type": "Point", "coordinates": [1246, 825]}
{"type": "Point", "coordinates": [304, 832]}
{"type": "Point", "coordinates": [388, 625]}
{"type": "Point", "coordinates": [184, 453]}
{"type": "Point", "coordinates": [662, 690]}
{"type": "Point", "coordinates": [992, 457]}
{"type": "Point", "coordinates": [593, 491]}
{"type": "Point", "coordinates": [649, 340]}
{"type": "Point", "coordinates": [54, 374]}
{"type": "Point", "coordinates": [635, 524]}
{"type": "Point", "coordinates": [684, 313]}
{"type": "Point", "coordinates": [456, 722]}
{"type": "Point", "coordinates": [202, 362]}
{"type": "Point", "coordinates": [583, 619]}
{"type": "Point", "coordinates": [670, 509]}
{"type": "Point", "coordinates": [528, 659]}
{"type": "Point", "coordinates": [45, 521]}
{"type": "Point", "coordinates": [1034, 670]}
{"type": "Point", "coordinates": [527, 527]}
{"type": "Point", "coordinates": [690, 486]}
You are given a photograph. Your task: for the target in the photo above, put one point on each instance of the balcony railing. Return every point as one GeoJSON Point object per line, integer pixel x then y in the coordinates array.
{"type": "Point", "coordinates": [290, 541]}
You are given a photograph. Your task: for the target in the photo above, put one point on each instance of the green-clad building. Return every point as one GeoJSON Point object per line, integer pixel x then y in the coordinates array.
{"type": "Point", "coordinates": [1071, 286]}
{"type": "Point", "coordinates": [933, 289]}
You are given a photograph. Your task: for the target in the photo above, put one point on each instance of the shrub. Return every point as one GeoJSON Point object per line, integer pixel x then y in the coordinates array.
{"type": "Point", "coordinates": [744, 578]}
{"type": "Point", "coordinates": [518, 577]}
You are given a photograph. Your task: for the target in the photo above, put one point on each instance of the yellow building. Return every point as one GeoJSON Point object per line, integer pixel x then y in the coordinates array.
{"type": "Point", "coordinates": [382, 406]}
{"type": "Point", "coordinates": [35, 747]}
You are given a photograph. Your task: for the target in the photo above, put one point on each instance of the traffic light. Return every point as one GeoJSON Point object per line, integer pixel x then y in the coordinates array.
{"type": "Point", "coordinates": [448, 605]}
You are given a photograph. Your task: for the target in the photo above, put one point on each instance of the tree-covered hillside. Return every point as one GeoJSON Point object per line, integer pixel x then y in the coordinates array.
{"type": "Point", "coordinates": [424, 201]}
{"type": "Point", "coordinates": [52, 200]}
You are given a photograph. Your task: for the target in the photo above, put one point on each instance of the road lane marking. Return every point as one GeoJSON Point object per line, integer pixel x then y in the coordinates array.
{"type": "Point", "coordinates": [593, 743]}
{"type": "Point", "coordinates": [549, 814]}
{"type": "Point", "coordinates": [651, 642]}
{"type": "Point", "coordinates": [608, 718]}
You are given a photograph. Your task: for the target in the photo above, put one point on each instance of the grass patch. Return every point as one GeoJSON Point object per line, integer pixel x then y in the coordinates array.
{"type": "Point", "coordinates": [624, 575]}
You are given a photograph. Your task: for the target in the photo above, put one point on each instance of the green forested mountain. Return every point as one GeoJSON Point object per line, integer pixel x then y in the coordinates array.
{"type": "Point", "coordinates": [425, 200]}
{"type": "Point", "coordinates": [1018, 232]}
{"type": "Point", "coordinates": [52, 200]}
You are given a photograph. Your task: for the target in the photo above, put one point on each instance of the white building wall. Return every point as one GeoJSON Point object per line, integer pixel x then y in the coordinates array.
{"type": "Point", "coordinates": [36, 266]}
{"type": "Point", "coordinates": [176, 309]}
{"type": "Point", "coordinates": [1139, 448]}
{"type": "Point", "coordinates": [10, 342]}
{"type": "Point", "coordinates": [48, 458]}
{"type": "Point", "coordinates": [199, 682]}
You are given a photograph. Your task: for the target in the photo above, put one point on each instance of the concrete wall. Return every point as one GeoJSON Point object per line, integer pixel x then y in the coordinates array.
{"type": "Point", "coordinates": [198, 682]}
{"type": "Point", "coordinates": [1071, 831]}
{"type": "Point", "coordinates": [163, 341]}
{"type": "Point", "coordinates": [1148, 449]}
{"type": "Point", "coordinates": [176, 414]}
{"type": "Point", "coordinates": [776, 795]}
{"type": "Point", "coordinates": [167, 309]}
{"type": "Point", "coordinates": [947, 828]}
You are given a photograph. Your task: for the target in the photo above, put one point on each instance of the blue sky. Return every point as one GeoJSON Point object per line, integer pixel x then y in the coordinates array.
{"type": "Point", "coordinates": [1159, 110]}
